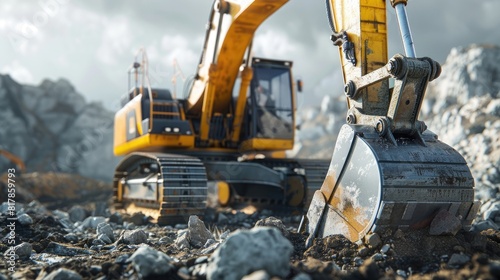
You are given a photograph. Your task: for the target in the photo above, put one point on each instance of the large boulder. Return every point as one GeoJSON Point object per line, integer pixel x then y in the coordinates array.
{"type": "Point", "coordinates": [246, 251]}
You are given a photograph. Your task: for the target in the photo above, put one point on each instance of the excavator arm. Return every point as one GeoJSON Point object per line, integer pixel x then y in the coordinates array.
{"type": "Point", "coordinates": [223, 53]}
{"type": "Point", "coordinates": [387, 170]}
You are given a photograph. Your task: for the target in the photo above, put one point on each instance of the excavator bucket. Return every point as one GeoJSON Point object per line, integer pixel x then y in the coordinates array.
{"type": "Point", "coordinates": [374, 184]}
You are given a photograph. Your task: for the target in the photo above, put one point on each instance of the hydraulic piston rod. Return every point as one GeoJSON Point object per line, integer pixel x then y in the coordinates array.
{"type": "Point", "coordinates": [404, 27]}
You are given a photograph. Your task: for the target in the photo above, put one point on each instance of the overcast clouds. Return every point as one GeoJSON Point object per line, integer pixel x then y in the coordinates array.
{"type": "Point", "coordinates": [92, 43]}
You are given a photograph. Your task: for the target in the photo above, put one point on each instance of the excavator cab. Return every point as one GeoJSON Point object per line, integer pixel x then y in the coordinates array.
{"type": "Point", "coordinates": [270, 104]}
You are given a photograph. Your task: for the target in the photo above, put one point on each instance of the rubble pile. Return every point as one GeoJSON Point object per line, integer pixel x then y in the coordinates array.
{"type": "Point", "coordinates": [257, 246]}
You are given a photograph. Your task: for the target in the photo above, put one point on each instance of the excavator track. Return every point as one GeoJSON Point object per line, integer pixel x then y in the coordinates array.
{"type": "Point", "coordinates": [167, 187]}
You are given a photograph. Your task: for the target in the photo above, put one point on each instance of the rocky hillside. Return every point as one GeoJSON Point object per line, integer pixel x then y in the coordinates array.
{"type": "Point", "coordinates": [462, 106]}
{"type": "Point", "coordinates": [52, 128]}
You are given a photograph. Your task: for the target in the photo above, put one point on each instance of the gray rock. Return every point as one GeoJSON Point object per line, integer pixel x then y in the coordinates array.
{"type": "Point", "coordinates": [150, 262]}
{"type": "Point", "coordinates": [302, 276]}
{"type": "Point", "coordinates": [92, 222]}
{"type": "Point", "coordinates": [198, 233]}
{"type": "Point", "coordinates": [122, 259]}
{"type": "Point", "coordinates": [245, 251]}
{"type": "Point", "coordinates": [385, 248]}
{"type": "Point", "coordinates": [138, 219]}
{"type": "Point", "coordinates": [104, 238]}
{"type": "Point", "coordinates": [484, 225]}
{"type": "Point", "coordinates": [209, 243]}
{"type": "Point", "coordinates": [224, 235]}
{"type": "Point", "coordinates": [60, 214]}
{"type": "Point", "coordinates": [63, 274]}
{"type": "Point", "coordinates": [445, 223]}
{"type": "Point", "coordinates": [77, 214]}
{"type": "Point", "coordinates": [136, 236]}
{"type": "Point", "coordinates": [23, 250]}
{"type": "Point", "coordinates": [182, 240]}
{"type": "Point", "coordinates": [222, 219]}
{"type": "Point", "coordinates": [273, 222]}
{"type": "Point", "coordinates": [373, 240]}
{"type": "Point", "coordinates": [105, 229]}
{"type": "Point", "coordinates": [457, 260]}
{"type": "Point", "coordinates": [71, 237]}
{"type": "Point", "coordinates": [116, 218]}
{"type": "Point", "coordinates": [257, 275]}
{"type": "Point", "coordinates": [25, 219]}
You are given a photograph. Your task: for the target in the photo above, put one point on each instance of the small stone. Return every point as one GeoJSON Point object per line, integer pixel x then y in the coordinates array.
{"type": "Point", "coordinates": [273, 222]}
{"type": "Point", "coordinates": [182, 241]}
{"type": "Point", "coordinates": [445, 223]}
{"type": "Point", "coordinates": [95, 269]}
{"type": "Point", "coordinates": [222, 219]}
{"type": "Point", "coordinates": [63, 274]}
{"type": "Point", "coordinates": [363, 252]}
{"type": "Point", "coordinates": [99, 242]}
{"type": "Point", "coordinates": [104, 238]}
{"type": "Point", "coordinates": [302, 276]}
{"type": "Point", "coordinates": [136, 236]}
{"type": "Point", "coordinates": [77, 214]}
{"type": "Point", "coordinates": [199, 270]}
{"type": "Point", "coordinates": [225, 234]}
{"type": "Point", "coordinates": [373, 240]}
{"type": "Point", "coordinates": [150, 262]}
{"type": "Point", "coordinates": [138, 219]}
{"type": "Point", "coordinates": [116, 218]}
{"type": "Point", "coordinates": [123, 259]}
{"type": "Point", "coordinates": [198, 233]}
{"type": "Point", "coordinates": [25, 219]}
{"type": "Point", "coordinates": [71, 237]}
{"type": "Point", "coordinates": [458, 260]}
{"type": "Point", "coordinates": [60, 214]}
{"type": "Point", "coordinates": [399, 234]}
{"type": "Point", "coordinates": [92, 222]}
{"type": "Point", "coordinates": [105, 229]}
{"type": "Point", "coordinates": [401, 273]}
{"type": "Point", "coordinates": [257, 275]}
{"type": "Point", "coordinates": [378, 257]}
{"type": "Point", "coordinates": [358, 261]}
{"type": "Point", "coordinates": [209, 243]}
{"type": "Point", "coordinates": [385, 249]}
{"type": "Point", "coordinates": [202, 259]}
{"type": "Point", "coordinates": [23, 250]}
{"type": "Point", "coordinates": [240, 217]}
{"type": "Point", "coordinates": [165, 240]}
{"type": "Point", "coordinates": [484, 225]}
{"type": "Point", "coordinates": [181, 226]}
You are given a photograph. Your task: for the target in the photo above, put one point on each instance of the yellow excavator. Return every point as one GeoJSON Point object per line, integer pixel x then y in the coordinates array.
{"type": "Point", "coordinates": [387, 170]}
{"type": "Point", "coordinates": [222, 145]}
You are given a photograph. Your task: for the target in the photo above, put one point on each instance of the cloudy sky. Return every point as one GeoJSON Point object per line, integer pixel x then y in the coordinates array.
{"type": "Point", "coordinates": [92, 43]}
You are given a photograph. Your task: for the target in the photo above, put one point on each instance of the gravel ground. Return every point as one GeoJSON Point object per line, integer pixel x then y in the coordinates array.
{"type": "Point", "coordinates": [69, 243]}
